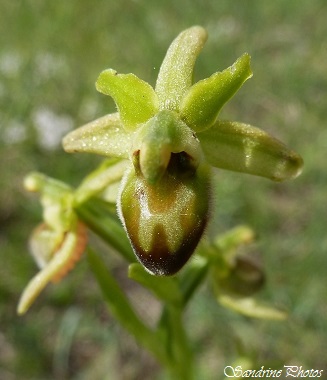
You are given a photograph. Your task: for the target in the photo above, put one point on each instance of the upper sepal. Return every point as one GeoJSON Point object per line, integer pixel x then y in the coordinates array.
{"type": "Point", "coordinates": [201, 104]}
{"type": "Point", "coordinates": [244, 148]}
{"type": "Point", "coordinates": [135, 99]}
{"type": "Point", "coordinates": [176, 72]}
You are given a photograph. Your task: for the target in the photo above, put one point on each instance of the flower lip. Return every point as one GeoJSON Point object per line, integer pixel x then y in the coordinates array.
{"type": "Point", "coordinates": [165, 221]}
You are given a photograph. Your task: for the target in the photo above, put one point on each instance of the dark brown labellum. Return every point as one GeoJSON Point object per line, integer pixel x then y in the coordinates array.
{"type": "Point", "coordinates": [165, 221]}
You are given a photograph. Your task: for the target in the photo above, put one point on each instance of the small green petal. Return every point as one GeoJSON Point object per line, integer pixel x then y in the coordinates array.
{"type": "Point", "coordinates": [176, 71]}
{"type": "Point", "coordinates": [204, 100]}
{"type": "Point", "coordinates": [105, 136]}
{"type": "Point", "coordinates": [135, 99]}
{"type": "Point", "coordinates": [244, 148]}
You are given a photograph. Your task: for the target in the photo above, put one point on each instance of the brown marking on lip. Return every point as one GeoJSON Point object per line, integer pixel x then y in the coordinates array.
{"type": "Point", "coordinates": [159, 260]}
{"type": "Point", "coordinates": [165, 251]}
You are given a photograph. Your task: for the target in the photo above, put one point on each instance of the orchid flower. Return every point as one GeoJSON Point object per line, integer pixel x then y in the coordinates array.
{"type": "Point", "coordinates": [172, 137]}
{"type": "Point", "coordinates": [162, 144]}
{"type": "Point", "coordinates": [57, 243]}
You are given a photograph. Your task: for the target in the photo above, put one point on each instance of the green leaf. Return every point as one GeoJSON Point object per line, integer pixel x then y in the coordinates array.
{"type": "Point", "coordinates": [176, 71]}
{"type": "Point", "coordinates": [202, 103]}
{"type": "Point", "coordinates": [165, 288]}
{"type": "Point", "coordinates": [105, 136]}
{"type": "Point", "coordinates": [243, 148]}
{"type": "Point", "coordinates": [251, 308]}
{"type": "Point", "coordinates": [63, 344]}
{"type": "Point", "coordinates": [135, 99]}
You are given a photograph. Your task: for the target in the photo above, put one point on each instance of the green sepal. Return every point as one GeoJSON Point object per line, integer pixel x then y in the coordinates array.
{"type": "Point", "coordinates": [201, 104]}
{"type": "Point", "coordinates": [105, 136]}
{"type": "Point", "coordinates": [135, 99]}
{"type": "Point", "coordinates": [176, 72]}
{"type": "Point", "coordinates": [252, 308]}
{"type": "Point", "coordinates": [165, 288]}
{"type": "Point", "coordinates": [243, 148]}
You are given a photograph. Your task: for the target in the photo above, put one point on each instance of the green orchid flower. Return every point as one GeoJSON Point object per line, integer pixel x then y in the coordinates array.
{"type": "Point", "coordinates": [58, 242]}
{"type": "Point", "coordinates": [170, 137]}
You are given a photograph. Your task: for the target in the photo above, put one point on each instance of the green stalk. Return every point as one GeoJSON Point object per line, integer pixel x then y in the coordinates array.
{"type": "Point", "coordinates": [171, 323]}
{"type": "Point", "coordinates": [123, 311]}
{"type": "Point", "coordinates": [178, 345]}
{"type": "Point", "coordinates": [193, 276]}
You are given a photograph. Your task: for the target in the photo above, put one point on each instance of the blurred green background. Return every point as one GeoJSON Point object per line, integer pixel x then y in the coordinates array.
{"type": "Point", "coordinates": [50, 56]}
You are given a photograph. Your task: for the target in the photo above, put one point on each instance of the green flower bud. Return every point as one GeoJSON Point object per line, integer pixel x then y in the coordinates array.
{"type": "Point", "coordinates": [165, 220]}
{"type": "Point", "coordinates": [245, 278]}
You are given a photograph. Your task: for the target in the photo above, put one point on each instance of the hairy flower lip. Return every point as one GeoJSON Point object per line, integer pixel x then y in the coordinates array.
{"type": "Point", "coordinates": [165, 221]}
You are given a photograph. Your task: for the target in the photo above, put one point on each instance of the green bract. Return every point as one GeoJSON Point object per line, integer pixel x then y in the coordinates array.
{"type": "Point", "coordinates": [171, 135]}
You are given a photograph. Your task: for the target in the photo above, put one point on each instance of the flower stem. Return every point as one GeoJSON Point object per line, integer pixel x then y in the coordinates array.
{"type": "Point", "coordinates": [123, 311]}
{"type": "Point", "coordinates": [176, 342]}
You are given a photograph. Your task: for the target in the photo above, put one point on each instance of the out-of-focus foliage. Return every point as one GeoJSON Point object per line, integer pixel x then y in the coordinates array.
{"type": "Point", "coordinates": [50, 56]}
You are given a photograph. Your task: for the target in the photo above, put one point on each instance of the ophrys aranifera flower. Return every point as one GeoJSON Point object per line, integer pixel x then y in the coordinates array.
{"type": "Point", "coordinates": [171, 136]}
